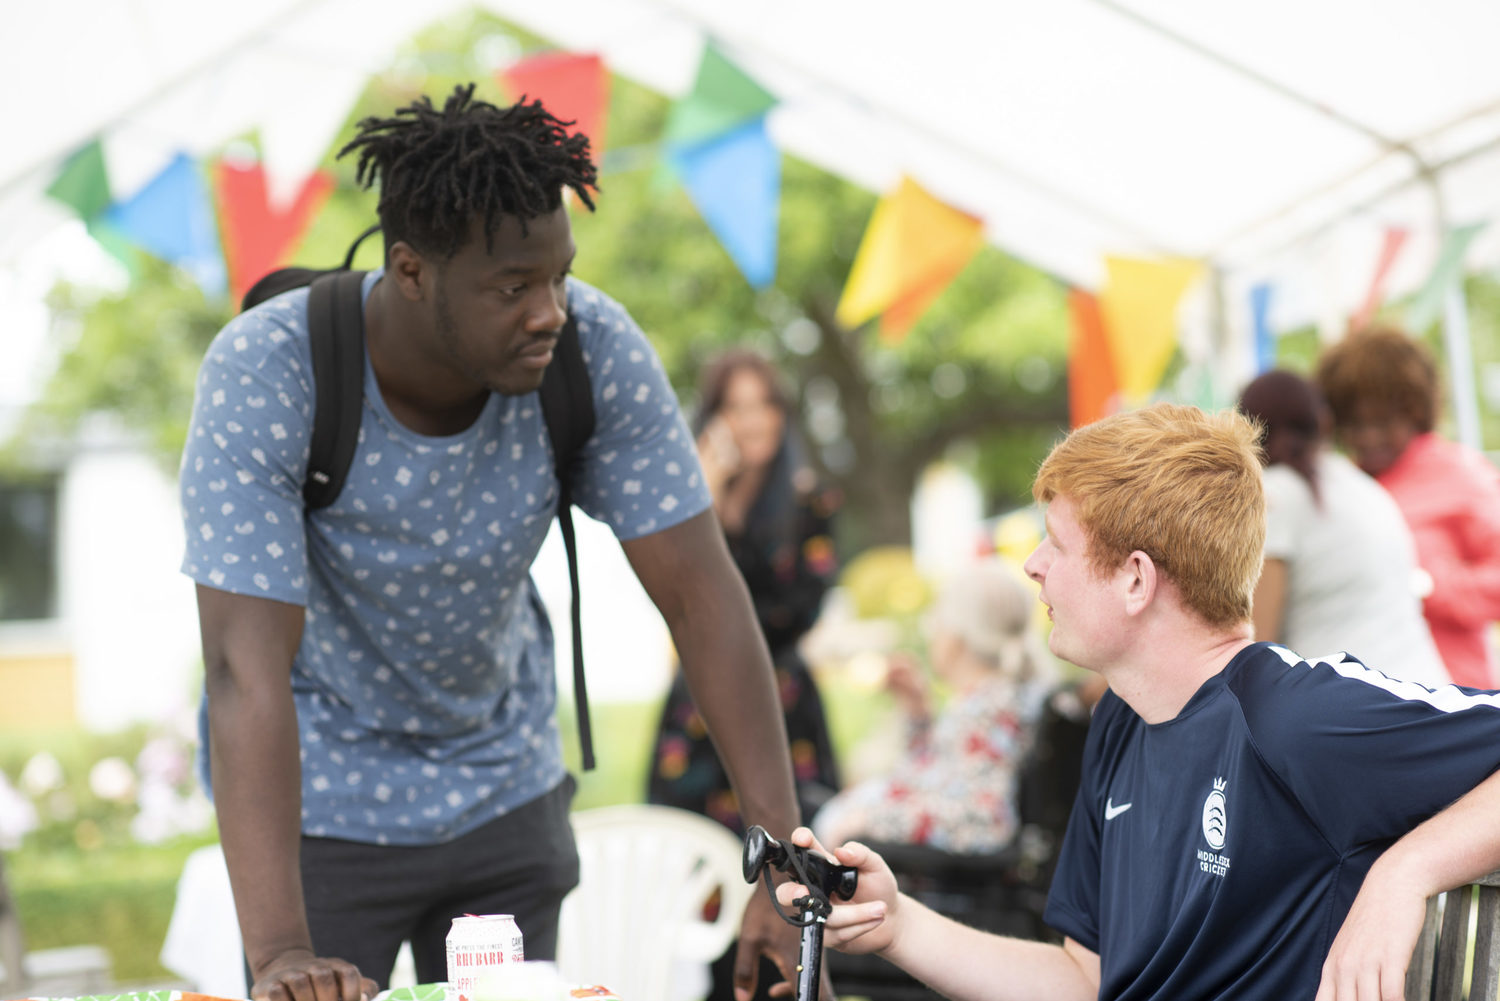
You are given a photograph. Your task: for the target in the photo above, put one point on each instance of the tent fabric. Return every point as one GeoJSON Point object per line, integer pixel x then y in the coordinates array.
{"type": "Point", "coordinates": [1274, 141]}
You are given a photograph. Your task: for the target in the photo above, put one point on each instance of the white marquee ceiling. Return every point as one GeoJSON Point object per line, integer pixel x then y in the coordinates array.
{"type": "Point", "coordinates": [1275, 139]}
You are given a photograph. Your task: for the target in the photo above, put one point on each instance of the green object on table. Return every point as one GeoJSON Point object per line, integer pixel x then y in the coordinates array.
{"type": "Point", "coordinates": [420, 992]}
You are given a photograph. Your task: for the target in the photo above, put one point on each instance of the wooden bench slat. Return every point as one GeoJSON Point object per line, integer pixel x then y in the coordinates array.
{"type": "Point", "coordinates": [1486, 983]}
{"type": "Point", "coordinates": [1453, 945]}
{"type": "Point", "coordinates": [1419, 973]}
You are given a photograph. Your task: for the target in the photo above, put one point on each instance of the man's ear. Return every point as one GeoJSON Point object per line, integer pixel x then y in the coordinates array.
{"type": "Point", "coordinates": [409, 270]}
{"type": "Point", "coordinates": [1140, 580]}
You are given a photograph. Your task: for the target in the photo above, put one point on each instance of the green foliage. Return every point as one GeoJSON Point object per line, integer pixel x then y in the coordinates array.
{"type": "Point", "coordinates": [132, 354]}
{"type": "Point", "coordinates": [82, 877]}
{"type": "Point", "coordinates": [118, 899]}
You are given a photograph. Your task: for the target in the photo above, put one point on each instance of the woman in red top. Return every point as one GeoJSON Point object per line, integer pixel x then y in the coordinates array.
{"type": "Point", "coordinates": [1383, 388]}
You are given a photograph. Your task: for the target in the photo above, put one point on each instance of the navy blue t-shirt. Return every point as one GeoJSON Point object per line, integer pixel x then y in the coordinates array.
{"type": "Point", "coordinates": [1215, 855]}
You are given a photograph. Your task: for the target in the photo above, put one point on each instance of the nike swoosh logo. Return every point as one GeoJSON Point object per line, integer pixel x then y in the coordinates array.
{"type": "Point", "coordinates": [1111, 811]}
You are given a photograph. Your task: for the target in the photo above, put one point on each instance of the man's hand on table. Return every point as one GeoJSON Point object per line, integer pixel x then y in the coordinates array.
{"type": "Point", "coordinates": [298, 975]}
{"type": "Point", "coordinates": [763, 932]}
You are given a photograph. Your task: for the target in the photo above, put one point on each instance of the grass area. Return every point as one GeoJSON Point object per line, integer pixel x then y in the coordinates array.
{"type": "Point", "coordinates": [120, 899]}
{"type": "Point", "coordinates": [82, 879]}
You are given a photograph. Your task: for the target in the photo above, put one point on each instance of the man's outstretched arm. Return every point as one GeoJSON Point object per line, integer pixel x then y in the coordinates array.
{"type": "Point", "coordinates": [687, 571]}
{"type": "Point", "coordinates": [957, 961]}
{"type": "Point", "coordinates": [1372, 950]}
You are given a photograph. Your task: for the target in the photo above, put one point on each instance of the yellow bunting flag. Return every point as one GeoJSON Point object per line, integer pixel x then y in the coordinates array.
{"type": "Point", "coordinates": [1139, 303]}
{"type": "Point", "coordinates": [912, 249]}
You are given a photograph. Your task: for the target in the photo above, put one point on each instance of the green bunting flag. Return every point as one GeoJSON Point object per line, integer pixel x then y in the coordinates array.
{"type": "Point", "coordinates": [1449, 269]}
{"type": "Point", "coordinates": [83, 183]}
{"type": "Point", "coordinates": [723, 98]}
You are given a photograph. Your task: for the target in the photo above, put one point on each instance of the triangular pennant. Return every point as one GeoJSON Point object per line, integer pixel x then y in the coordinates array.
{"type": "Point", "coordinates": [258, 237]}
{"type": "Point", "coordinates": [723, 97]}
{"type": "Point", "coordinates": [902, 314]}
{"type": "Point", "coordinates": [173, 218]}
{"type": "Point", "coordinates": [1260, 325]}
{"type": "Point", "coordinates": [1093, 390]}
{"type": "Point", "coordinates": [572, 87]}
{"type": "Point", "coordinates": [1449, 268]}
{"type": "Point", "coordinates": [1139, 303]}
{"type": "Point", "coordinates": [735, 180]}
{"type": "Point", "coordinates": [1390, 249]}
{"type": "Point", "coordinates": [83, 182]}
{"type": "Point", "coordinates": [913, 246]}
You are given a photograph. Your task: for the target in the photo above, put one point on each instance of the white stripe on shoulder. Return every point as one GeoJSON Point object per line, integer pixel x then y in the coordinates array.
{"type": "Point", "coordinates": [1448, 699]}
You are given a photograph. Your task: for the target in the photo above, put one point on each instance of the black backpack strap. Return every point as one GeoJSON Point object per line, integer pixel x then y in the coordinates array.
{"type": "Point", "coordinates": [336, 329]}
{"type": "Point", "coordinates": [568, 408]}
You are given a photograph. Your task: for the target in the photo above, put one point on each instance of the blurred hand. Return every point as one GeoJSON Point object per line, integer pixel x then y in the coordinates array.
{"type": "Point", "coordinates": [298, 975]}
{"type": "Point", "coordinates": [718, 454]}
{"type": "Point", "coordinates": [907, 683]}
{"type": "Point", "coordinates": [868, 922]}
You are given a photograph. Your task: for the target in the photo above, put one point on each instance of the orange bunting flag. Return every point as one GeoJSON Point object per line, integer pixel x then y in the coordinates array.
{"type": "Point", "coordinates": [573, 88]}
{"type": "Point", "coordinates": [1390, 248]}
{"type": "Point", "coordinates": [912, 249]}
{"type": "Point", "coordinates": [1093, 389]}
{"type": "Point", "coordinates": [1139, 304]}
{"type": "Point", "coordinates": [257, 235]}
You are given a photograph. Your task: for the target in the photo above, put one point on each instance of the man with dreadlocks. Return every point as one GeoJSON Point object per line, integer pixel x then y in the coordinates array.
{"type": "Point", "coordinates": [379, 672]}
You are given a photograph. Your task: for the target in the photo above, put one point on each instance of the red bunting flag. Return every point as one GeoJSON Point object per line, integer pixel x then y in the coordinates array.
{"type": "Point", "coordinates": [257, 235]}
{"type": "Point", "coordinates": [1093, 387]}
{"type": "Point", "coordinates": [573, 88]}
{"type": "Point", "coordinates": [1390, 249]}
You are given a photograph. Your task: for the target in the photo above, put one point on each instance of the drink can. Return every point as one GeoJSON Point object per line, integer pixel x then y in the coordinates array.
{"type": "Point", "coordinates": [477, 944]}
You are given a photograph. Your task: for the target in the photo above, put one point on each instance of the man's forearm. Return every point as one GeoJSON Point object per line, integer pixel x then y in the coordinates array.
{"type": "Point", "coordinates": [687, 571]}
{"type": "Point", "coordinates": [966, 964]}
{"type": "Point", "coordinates": [257, 795]}
{"type": "Point", "coordinates": [729, 673]}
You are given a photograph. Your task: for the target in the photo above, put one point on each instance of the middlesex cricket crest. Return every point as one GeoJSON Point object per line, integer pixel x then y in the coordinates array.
{"type": "Point", "coordinates": [1215, 827]}
{"type": "Point", "coordinates": [1216, 816]}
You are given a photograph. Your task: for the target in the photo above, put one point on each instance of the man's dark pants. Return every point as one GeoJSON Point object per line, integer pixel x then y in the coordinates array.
{"type": "Point", "coordinates": [364, 900]}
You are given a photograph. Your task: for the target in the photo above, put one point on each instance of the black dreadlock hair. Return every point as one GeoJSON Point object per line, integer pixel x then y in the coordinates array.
{"type": "Point", "coordinates": [440, 170]}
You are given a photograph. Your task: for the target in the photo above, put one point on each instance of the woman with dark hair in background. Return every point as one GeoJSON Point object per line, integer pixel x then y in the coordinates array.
{"type": "Point", "coordinates": [1382, 386]}
{"type": "Point", "coordinates": [1340, 570]}
{"type": "Point", "coordinates": [777, 521]}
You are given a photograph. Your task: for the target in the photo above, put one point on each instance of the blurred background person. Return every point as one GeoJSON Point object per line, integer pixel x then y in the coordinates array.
{"type": "Point", "coordinates": [1341, 568]}
{"type": "Point", "coordinates": [1382, 387]}
{"type": "Point", "coordinates": [777, 520]}
{"type": "Point", "coordinates": [955, 787]}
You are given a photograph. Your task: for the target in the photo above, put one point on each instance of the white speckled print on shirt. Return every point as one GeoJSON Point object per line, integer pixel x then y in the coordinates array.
{"type": "Point", "coordinates": [424, 684]}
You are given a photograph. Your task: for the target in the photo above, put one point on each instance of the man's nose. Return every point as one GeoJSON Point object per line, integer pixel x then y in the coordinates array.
{"type": "Point", "coordinates": [549, 314]}
{"type": "Point", "coordinates": [1033, 565]}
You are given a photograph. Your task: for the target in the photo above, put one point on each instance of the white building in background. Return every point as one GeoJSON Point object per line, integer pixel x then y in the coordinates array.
{"type": "Point", "coordinates": [130, 615]}
{"type": "Point", "coordinates": [117, 640]}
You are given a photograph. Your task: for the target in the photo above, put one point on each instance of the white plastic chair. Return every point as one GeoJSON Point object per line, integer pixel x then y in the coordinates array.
{"type": "Point", "coordinates": [635, 922]}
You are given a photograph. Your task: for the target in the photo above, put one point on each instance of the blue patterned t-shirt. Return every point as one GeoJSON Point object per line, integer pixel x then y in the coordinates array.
{"type": "Point", "coordinates": [424, 683]}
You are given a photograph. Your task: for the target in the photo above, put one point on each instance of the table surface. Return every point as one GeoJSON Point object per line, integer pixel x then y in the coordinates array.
{"type": "Point", "coordinates": [421, 992]}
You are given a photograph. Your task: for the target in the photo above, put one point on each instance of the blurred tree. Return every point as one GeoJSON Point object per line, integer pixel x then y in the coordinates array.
{"type": "Point", "coordinates": [983, 369]}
